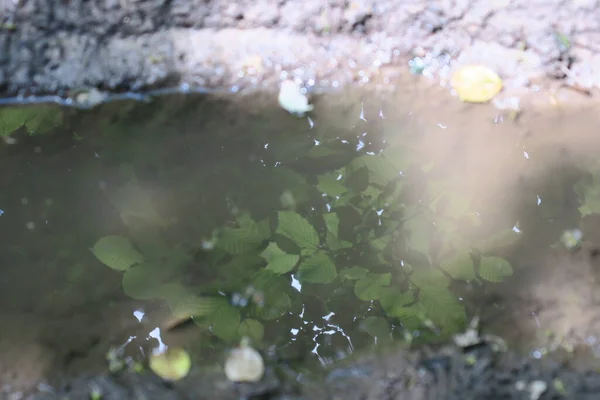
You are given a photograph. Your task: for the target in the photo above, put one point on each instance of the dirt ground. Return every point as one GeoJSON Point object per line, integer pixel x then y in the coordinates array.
{"type": "Point", "coordinates": [50, 47]}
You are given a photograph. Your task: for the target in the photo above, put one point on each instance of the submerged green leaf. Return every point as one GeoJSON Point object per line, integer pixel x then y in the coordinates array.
{"type": "Point", "coordinates": [460, 267]}
{"type": "Point", "coordinates": [252, 329]}
{"type": "Point", "coordinates": [116, 252]}
{"type": "Point", "coordinates": [381, 170]}
{"type": "Point", "coordinates": [370, 287]}
{"type": "Point", "coordinates": [501, 239]}
{"type": "Point", "coordinates": [354, 273]}
{"type": "Point", "coordinates": [224, 322]}
{"type": "Point", "coordinates": [392, 298]}
{"type": "Point", "coordinates": [442, 307]}
{"type": "Point", "coordinates": [194, 306]}
{"type": "Point", "coordinates": [376, 326]}
{"type": "Point", "coordinates": [425, 278]}
{"type": "Point", "coordinates": [494, 269]}
{"type": "Point", "coordinates": [330, 185]}
{"type": "Point", "coordinates": [37, 119]}
{"type": "Point", "coordinates": [278, 260]}
{"type": "Point", "coordinates": [293, 226]}
{"type": "Point", "coordinates": [319, 268]}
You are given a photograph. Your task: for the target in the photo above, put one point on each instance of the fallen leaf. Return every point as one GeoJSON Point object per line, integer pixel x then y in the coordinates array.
{"type": "Point", "coordinates": [476, 83]}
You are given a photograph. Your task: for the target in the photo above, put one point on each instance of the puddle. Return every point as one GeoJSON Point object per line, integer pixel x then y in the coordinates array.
{"type": "Point", "coordinates": [370, 221]}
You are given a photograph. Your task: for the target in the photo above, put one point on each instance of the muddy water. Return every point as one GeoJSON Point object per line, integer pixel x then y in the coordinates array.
{"type": "Point", "coordinates": [377, 218]}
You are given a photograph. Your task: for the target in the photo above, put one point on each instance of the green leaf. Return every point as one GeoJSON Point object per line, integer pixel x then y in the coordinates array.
{"type": "Point", "coordinates": [354, 273]}
{"type": "Point", "coordinates": [278, 260]}
{"type": "Point", "coordinates": [392, 298]}
{"type": "Point", "coordinates": [194, 306]}
{"type": "Point", "coordinates": [330, 185]}
{"type": "Point", "coordinates": [420, 231]}
{"type": "Point", "coordinates": [501, 239]}
{"type": "Point", "coordinates": [381, 170]}
{"type": "Point", "coordinates": [425, 278]}
{"type": "Point", "coordinates": [460, 267]}
{"type": "Point", "coordinates": [247, 237]}
{"type": "Point", "coordinates": [318, 268]}
{"type": "Point", "coordinates": [37, 119]}
{"type": "Point", "coordinates": [252, 329]}
{"type": "Point", "coordinates": [370, 287]}
{"type": "Point", "coordinates": [442, 307]}
{"type": "Point", "coordinates": [452, 204]}
{"type": "Point", "coordinates": [381, 243]}
{"type": "Point", "coordinates": [400, 156]}
{"type": "Point", "coordinates": [293, 226]}
{"type": "Point", "coordinates": [116, 252]}
{"type": "Point", "coordinates": [332, 222]}
{"type": "Point", "coordinates": [225, 322]}
{"type": "Point", "coordinates": [494, 269]}
{"type": "Point", "coordinates": [376, 326]}
{"type": "Point", "coordinates": [143, 283]}
{"type": "Point", "coordinates": [411, 317]}
{"type": "Point", "coordinates": [333, 243]}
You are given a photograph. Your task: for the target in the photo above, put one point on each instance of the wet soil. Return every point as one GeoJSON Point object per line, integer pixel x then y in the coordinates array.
{"type": "Point", "coordinates": [50, 47]}
{"type": "Point", "coordinates": [477, 373]}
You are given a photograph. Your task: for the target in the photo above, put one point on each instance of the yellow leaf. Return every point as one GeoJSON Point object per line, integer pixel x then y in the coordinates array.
{"type": "Point", "coordinates": [171, 365]}
{"type": "Point", "coordinates": [476, 83]}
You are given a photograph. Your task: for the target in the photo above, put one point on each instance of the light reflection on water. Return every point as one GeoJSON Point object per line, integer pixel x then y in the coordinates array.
{"type": "Point", "coordinates": [197, 165]}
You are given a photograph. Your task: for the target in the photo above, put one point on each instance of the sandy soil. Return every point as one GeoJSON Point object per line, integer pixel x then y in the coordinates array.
{"type": "Point", "coordinates": [50, 47]}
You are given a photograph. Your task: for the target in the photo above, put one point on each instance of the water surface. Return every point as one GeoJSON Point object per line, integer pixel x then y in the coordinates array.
{"type": "Point", "coordinates": [376, 219]}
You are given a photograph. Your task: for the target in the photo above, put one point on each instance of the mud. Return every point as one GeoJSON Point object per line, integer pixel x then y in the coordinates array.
{"type": "Point", "coordinates": [452, 374]}
{"type": "Point", "coordinates": [51, 47]}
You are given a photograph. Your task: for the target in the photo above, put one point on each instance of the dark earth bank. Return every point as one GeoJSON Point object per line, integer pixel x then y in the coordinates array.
{"type": "Point", "coordinates": [478, 373]}
{"type": "Point", "coordinates": [53, 46]}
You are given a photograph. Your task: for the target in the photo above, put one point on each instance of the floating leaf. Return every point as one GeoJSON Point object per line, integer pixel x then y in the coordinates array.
{"type": "Point", "coordinates": [354, 273]}
{"type": "Point", "coordinates": [244, 364]}
{"type": "Point", "coordinates": [370, 286]}
{"type": "Point", "coordinates": [116, 252]}
{"type": "Point", "coordinates": [460, 267]}
{"type": "Point", "coordinates": [331, 185]}
{"type": "Point", "coordinates": [172, 365]}
{"type": "Point", "coordinates": [252, 329]}
{"type": "Point", "coordinates": [376, 326]}
{"type": "Point", "coordinates": [476, 83]}
{"type": "Point", "coordinates": [494, 269]}
{"type": "Point", "coordinates": [278, 260]}
{"type": "Point", "coordinates": [318, 268]}
{"type": "Point", "coordinates": [293, 226]}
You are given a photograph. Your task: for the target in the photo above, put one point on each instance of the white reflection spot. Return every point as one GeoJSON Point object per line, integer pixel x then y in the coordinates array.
{"type": "Point", "coordinates": [296, 284]}
{"type": "Point", "coordinates": [139, 315]}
